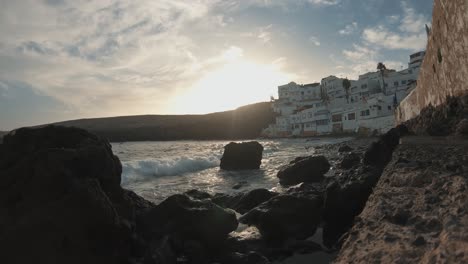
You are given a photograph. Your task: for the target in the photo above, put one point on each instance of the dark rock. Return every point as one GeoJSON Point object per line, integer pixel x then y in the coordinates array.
{"type": "Point", "coordinates": [240, 185]}
{"type": "Point", "coordinates": [419, 241]}
{"type": "Point", "coordinates": [350, 160]}
{"type": "Point", "coordinates": [306, 190]}
{"type": "Point", "coordinates": [196, 194]}
{"type": "Point", "coordinates": [242, 156]}
{"type": "Point", "coordinates": [444, 120]}
{"type": "Point", "coordinates": [162, 252]}
{"type": "Point", "coordinates": [190, 219]}
{"type": "Point", "coordinates": [284, 217]}
{"type": "Point", "coordinates": [248, 258]}
{"type": "Point", "coordinates": [252, 199]}
{"type": "Point", "coordinates": [304, 169]}
{"type": "Point", "coordinates": [61, 200]}
{"type": "Point", "coordinates": [345, 148]}
{"type": "Point", "coordinates": [227, 200]}
{"type": "Point", "coordinates": [380, 152]}
{"type": "Point", "coordinates": [462, 127]}
{"type": "Point", "coordinates": [345, 201]}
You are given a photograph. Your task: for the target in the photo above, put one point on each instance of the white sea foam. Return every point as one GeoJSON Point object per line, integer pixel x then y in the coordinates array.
{"type": "Point", "coordinates": [140, 169]}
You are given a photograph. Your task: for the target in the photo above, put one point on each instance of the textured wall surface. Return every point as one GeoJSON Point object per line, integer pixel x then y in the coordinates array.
{"type": "Point", "coordinates": [444, 71]}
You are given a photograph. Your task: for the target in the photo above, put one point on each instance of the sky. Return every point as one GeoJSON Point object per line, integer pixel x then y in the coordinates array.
{"type": "Point", "coordinates": [70, 59]}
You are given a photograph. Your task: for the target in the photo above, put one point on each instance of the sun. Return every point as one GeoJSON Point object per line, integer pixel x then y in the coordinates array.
{"type": "Point", "coordinates": [237, 82]}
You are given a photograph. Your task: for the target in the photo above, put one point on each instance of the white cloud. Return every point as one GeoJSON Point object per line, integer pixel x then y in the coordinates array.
{"type": "Point", "coordinates": [349, 29]}
{"type": "Point", "coordinates": [324, 2]}
{"type": "Point", "coordinates": [106, 57]}
{"type": "Point", "coordinates": [383, 37]}
{"type": "Point", "coordinates": [412, 22]}
{"type": "Point", "coordinates": [411, 34]}
{"type": "Point", "coordinates": [393, 19]}
{"type": "Point", "coordinates": [265, 34]}
{"type": "Point", "coordinates": [314, 40]}
{"type": "Point", "coordinates": [359, 52]}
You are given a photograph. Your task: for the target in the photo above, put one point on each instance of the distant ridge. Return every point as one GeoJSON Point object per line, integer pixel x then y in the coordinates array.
{"type": "Point", "coordinates": [245, 122]}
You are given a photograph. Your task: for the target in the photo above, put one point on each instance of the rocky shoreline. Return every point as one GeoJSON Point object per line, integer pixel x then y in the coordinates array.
{"type": "Point", "coordinates": [61, 201]}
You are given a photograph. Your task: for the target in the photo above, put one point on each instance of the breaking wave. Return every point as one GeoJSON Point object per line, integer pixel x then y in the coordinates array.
{"type": "Point", "coordinates": [134, 170]}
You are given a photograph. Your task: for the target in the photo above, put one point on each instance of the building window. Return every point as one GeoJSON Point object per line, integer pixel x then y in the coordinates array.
{"type": "Point", "coordinates": [403, 82]}
{"type": "Point", "coordinates": [379, 107]}
{"type": "Point", "coordinates": [396, 84]}
{"type": "Point", "coordinates": [323, 122]}
{"type": "Point", "coordinates": [337, 118]}
{"type": "Point", "coordinates": [364, 86]}
{"type": "Point", "coordinates": [389, 107]}
{"type": "Point", "coordinates": [352, 116]}
{"type": "Point", "coordinates": [365, 113]}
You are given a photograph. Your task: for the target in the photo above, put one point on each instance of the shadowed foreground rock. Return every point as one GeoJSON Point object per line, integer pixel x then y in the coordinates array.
{"type": "Point", "coordinates": [346, 197]}
{"type": "Point", "coordinates": [61, 200]}
{"type": "Point", "coordinates": [190, 219]}
{"type": "Point", "coordinates": [285, 217]}
{"type": "Point", "coordinates": [242, 156]}
{"type": "Point", "coordinates": [304, 169]}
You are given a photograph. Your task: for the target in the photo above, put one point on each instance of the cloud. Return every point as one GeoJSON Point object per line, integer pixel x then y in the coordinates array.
{"type": "Point", "coordinates": [265, 34]}
{"type": "Point", "coordinates": [359, 52]}
{"type": "Point", "coordinates": [410, 33]}
{"type": "Point", "coordinates": [383, 37]}
{"type": "Point", "coordinates": [324, 2]}
{"type": "Point", "coordinates": [412, 22]}
{"type": "Point", "coordinates": [105, 57]}
{"type": "Point", "coordinates": [393, 19]}
{"type": "Point", "coordinates": [314, 40]}
{"type": "Point", "coordinates": [349, 29]}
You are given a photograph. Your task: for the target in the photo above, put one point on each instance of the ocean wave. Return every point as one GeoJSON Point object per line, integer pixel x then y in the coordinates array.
{"type": "Point", "coordinates": [134, 170]}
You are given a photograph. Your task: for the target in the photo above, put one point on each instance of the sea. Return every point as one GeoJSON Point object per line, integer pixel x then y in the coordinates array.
{"type": "Point", "coordinates": [157, 170]}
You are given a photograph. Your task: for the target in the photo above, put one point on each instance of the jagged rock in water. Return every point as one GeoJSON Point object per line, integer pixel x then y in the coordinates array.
{"type": "Point", "coordinates": [61, 200]}
{"type": "Point", "coordinates": [304, 169]}
{"type": "Point", "coordinates": [242, 156]}
{"type": "Point", "coordinates": [285, 216]}
{"type": "Point", "coordinates": [191, 219]}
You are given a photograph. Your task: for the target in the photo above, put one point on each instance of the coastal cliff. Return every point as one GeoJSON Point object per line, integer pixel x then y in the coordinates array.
{"type": "Point", "coordinates": [244, 122]}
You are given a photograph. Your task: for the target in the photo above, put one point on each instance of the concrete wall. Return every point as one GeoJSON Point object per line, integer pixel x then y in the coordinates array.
{"type": "Point", "coordinates": [444, 71]}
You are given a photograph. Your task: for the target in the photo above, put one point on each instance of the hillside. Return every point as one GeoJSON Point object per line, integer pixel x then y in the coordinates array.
{"type": "Point", "coordinates": [243, 123]}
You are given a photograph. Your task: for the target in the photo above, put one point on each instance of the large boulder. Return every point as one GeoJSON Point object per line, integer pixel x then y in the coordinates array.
{"type": "Point", "coordinates": [242, 156]}
{"type": "Point", "coordinates": [284, 217]}
{"type": "Point", "coordinates": [252, 199]}
{"type": "Point", "coordinates": [61, 200]}
{"type": "Point", "coordinates": [190, 219]}
{"type": "Point", "coordinates": [304, 169]}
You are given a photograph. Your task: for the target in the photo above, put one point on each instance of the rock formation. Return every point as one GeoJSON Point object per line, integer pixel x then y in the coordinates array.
{"type": "Point", "coordinates": [242, 156]}
{"type": "Point", "coordinates": [304, 169]}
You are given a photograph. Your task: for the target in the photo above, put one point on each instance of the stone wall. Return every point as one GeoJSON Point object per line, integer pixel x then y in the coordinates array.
{"type": "Point", "coordinates": [444, 71]}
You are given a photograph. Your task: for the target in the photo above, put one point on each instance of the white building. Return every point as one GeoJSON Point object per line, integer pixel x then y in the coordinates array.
{"type": "Point", "coordinates": [326, 108]}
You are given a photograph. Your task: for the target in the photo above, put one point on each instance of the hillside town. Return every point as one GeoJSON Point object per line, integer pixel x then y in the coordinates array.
{"type": "Point", "coordinates": [337, 105]}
